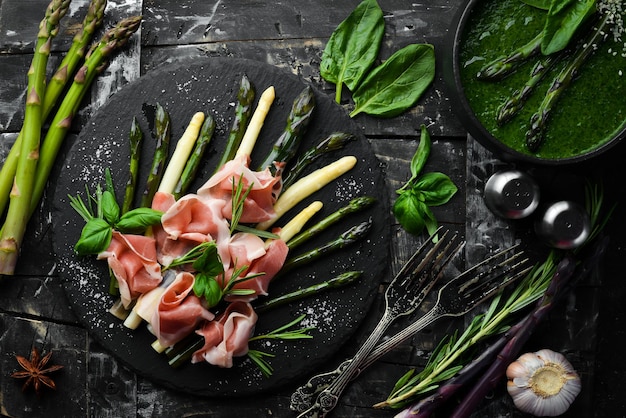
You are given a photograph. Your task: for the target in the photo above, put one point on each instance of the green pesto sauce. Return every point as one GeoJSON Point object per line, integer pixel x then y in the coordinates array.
{"type": "Point", "coordinates": [589, 112]}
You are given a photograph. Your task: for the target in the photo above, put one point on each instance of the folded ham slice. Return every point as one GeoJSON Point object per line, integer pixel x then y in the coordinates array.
{"type": "Point", "coordinates": [259, 204]}
{"type": "Point", "coordinates": [132, 259]}
{"type": "Point", "coordinates": [244, 248]}
{"type": "Point", "coordinates": [190, 221]}
{"type": "Point", "coordinates": [179, 311]}
{"type": "Point", "coordinates": [268, 265]}
{"type": "Point", "coordinates": [227, 336]}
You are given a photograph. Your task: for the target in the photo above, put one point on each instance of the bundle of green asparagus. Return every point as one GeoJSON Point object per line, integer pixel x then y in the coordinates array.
{"type": "Point", "coordinates": [25, 172]}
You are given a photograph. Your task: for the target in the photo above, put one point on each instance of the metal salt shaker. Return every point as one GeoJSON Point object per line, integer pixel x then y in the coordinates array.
{"type": "Point", "coordinates": [564, 224]}
{"type": "Point", "coordinates": [511, 194]}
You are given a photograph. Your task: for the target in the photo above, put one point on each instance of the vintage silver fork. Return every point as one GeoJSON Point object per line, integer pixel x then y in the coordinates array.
{"type": "Point", "coordinates": [455, 298]}
{"type": "Point", "coordinates": [403, 296]}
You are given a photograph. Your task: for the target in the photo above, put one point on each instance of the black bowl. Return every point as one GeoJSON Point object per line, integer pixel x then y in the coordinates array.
{"type": "Point", "coordinates": [463, 110]}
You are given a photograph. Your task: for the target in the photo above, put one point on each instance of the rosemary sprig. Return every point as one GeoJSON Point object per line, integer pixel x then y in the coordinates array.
{"type": "Point", "coordinates": [257, 232]}
{"type": "Point", "coordinates": [239, 196]}
{"type": "Point", "coordinates": [281, 333]}
{"type": "Point", "coordinates": [258, 358]}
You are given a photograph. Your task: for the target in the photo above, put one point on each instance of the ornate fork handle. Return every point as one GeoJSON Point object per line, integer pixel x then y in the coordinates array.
{"type": "Point", "coordinates": [327, 398]}
{"type": "Point", "coordinates": [325, 385]}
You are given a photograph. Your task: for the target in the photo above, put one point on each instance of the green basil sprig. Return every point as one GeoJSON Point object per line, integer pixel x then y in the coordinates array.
{"type": "Point", "coordinates": [387, 90]}
{"type": "Point", "coordinates": [422, 191]}
{"type": "Point", "coordinates": [100, 222]}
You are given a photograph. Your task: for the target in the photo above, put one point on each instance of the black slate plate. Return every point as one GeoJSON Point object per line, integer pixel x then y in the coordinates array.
{"type": "Point", "coordinates": [211, 86]}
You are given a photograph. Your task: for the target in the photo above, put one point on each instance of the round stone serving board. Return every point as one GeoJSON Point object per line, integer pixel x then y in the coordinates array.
{"type": "Point", "coordinates": [210, 85]}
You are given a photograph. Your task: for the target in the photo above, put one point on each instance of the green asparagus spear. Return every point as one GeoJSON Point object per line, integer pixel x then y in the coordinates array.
{"type": "Point", "coordinates": [535, 135]}
{"type": "Point", "coordinates": [55, 87]}
{"type": "Point", "coordinates": [182, 351]}
{"type": "Point", "coordinates": [97, 57]}
{"type": "Point", "coordinates": [504, 65]}
{"type": "Point", "coordinates": [76, 53]}
{"type": "Point", "coordinates": [348, 237]}
{"type": "Point", "coordinates": [243, 111]}
{"type": "Point", "coordinates": [135, 138]}
{"type": "Point", "coordinates": [354, 205]}
{"type": "Point", "coordinates": [193, 163]}
{"type": "Point", "coordinates": [515, 103]}
{"type": "Point", "coordinates": [298, 120]}
{"type": "Point", "coordinates": [332, 142]}
{"type": "Point", "coordinates": [163, 131]}
{"type": "Point", "coordinates": [338, 281]}
{"type": "Point", "coordinates": [17, 216]}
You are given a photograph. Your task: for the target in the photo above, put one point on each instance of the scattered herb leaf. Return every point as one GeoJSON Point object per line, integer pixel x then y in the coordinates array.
{"type": "Point", "coordinates": [353, 47]}
{"type": "Point", "coordinates": [397, 84]}
{"type": "Point", "coordinates": [421, 191]}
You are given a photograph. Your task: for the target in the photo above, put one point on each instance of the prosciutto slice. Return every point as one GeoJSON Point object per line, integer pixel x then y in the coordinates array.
{"type": "Point", "coordinates": [190, 221]}
{"type": "Point", "coordinates": [227, 336]}
{"type": "Point", "coordinates": [244, 248]}
{"type": "Point", "coordinates": [162, 202]}
{"type": "Point", "coordinates": [194, 218]}
{"type": "Point", "coordinates": [179, 312]}
{"type": "Point", "coordinates": [268, 265]}
{"type": "Point", "coordinates": [264, 189]}
{"type": "Point", "coordinates": [132, 259]}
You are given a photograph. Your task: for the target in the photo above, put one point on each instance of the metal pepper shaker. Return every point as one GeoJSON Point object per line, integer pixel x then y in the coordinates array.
{"type": "Point", "coordinates": [511, 194]}
{"type": "Point", "coordinates": [564, 224]}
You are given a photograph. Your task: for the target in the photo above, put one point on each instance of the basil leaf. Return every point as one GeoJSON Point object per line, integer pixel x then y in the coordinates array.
{"type": "Point", "coordinates": [199, 286]}
{"type": "Point", "coordinates": [397, 84]}
{"type": "Point", "coordinates": [110, 208]}
{"type": "Point", "coordinates": [206, 286]}
{"type": "Point", "coordinates": [353, 46]}
{"type": "Point", "coordinates": [435, 188]}
{"type": "Point", "coordinates": [209, 261]}
{"type": "Point", "coordinates": [421, 155]}
{"type": "Point", "coordinates": [539, 4]}
{"type": "Point", "coordinates": [429, 220]}
{"type": "Point", "coordinates": [564, 18]}
{"type": "Point", "coordinates": [95, 237]}
{"type": "Point", "coordinates": [138, 219]}
{"type": "Point", "coordinates": [407, 210]}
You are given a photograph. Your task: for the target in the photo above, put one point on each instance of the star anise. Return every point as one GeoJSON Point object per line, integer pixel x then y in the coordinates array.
{"type": "Point", "coordinates": [35, 371]}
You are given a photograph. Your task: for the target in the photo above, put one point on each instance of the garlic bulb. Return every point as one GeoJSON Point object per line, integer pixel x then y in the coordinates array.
{"type": "Point", "coordinates": [543, 383]}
